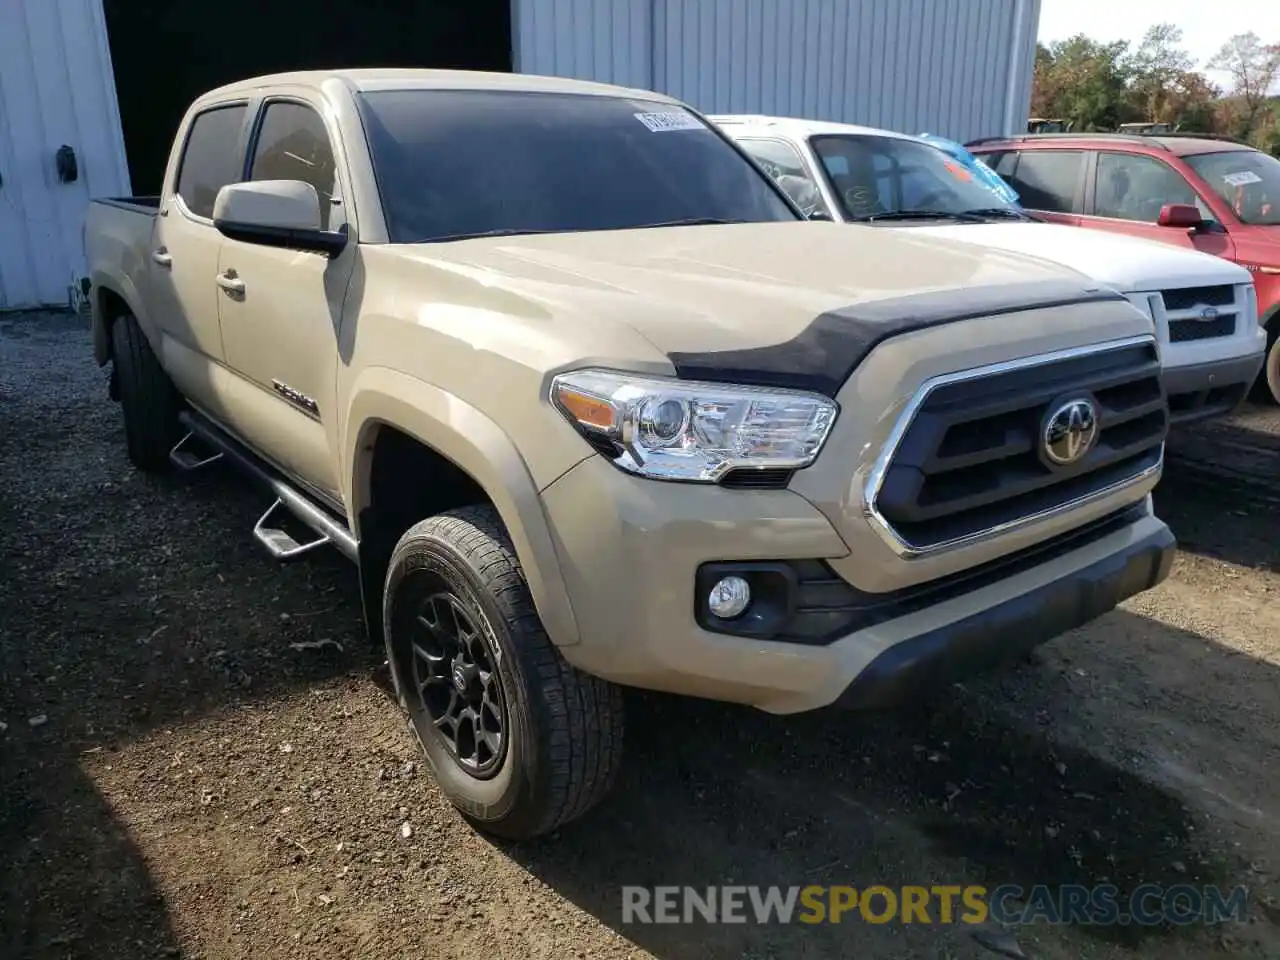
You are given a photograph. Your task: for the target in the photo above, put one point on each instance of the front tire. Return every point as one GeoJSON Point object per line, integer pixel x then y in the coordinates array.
{"type": "Point", "coordinates": [147, 397]}
{"type": "Point", "coordinates": [1271, 367]}
{"type": "Point", "coordinates": [518, 740]}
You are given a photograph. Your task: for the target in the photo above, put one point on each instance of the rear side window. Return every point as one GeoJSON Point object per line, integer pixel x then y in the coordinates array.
{"type": "Point", "coordinates": [294, 145]}
{"type": "Point", "coordinates": [1047, 179]}
{"type": "Point", "coordinates": [1001, 161]}
{"type": "Point", "coordinates": [211, 158]}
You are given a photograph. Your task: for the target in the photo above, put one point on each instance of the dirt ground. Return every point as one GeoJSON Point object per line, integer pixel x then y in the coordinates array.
{"type": "Point", "coordinates": [197, 759]}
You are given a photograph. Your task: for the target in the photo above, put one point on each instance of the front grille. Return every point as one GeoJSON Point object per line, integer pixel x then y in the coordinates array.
{"type": "Point", "coordinates": [1191, 314]}
{"type": "Point", "coordinates": [1184, 298]}
{"type": "Point", "coordinates": [971, 459]}
{"type": "Point", "coordinates": [1180, 331]}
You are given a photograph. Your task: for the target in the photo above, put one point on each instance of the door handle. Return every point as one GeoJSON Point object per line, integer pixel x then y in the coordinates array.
{"type": "Point", "coordinates": [231, 283]}
{"type": "Point", "coordinates": [162, 257]}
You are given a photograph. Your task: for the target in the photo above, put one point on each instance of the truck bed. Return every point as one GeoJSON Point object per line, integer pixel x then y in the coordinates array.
{"type": "Point", "coordinates": [144, 205]}
{"type": "Point", "coordinates": [117, 244]}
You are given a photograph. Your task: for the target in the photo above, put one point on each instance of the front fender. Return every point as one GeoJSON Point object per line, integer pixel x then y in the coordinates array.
{"type": "Point", "coordinates": [459, 431]}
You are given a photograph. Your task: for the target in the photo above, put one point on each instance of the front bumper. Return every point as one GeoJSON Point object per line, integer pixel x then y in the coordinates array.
{"type": "Point", "coordinates": [630, 551]}
{"type": "Point", "coordinates": [987, 637]}
{"type": "Point", "coordinates": [1203, 390]}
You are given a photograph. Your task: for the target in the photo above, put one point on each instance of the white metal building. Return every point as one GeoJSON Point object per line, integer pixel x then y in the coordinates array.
{"type": "Point", "coordinates": [960, 68]}
{"type": "Point", "coordinates": [56, 90]}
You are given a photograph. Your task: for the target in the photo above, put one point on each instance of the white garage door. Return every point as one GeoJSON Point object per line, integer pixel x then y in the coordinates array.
{"type": "Point", "coordinates": [56, 91]}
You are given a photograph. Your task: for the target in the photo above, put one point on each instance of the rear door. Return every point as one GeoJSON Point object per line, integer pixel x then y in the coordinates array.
{"type": "Point", "coordinates": [182, 291]}
{"type": "Point", "coordinates": [1049, 183]}
{"type": "Point", "coordinates": [1126, 191]}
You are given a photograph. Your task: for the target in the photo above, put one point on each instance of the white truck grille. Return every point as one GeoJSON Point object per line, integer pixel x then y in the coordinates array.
{"type": "Point", "coordinates": [1185, 315]}
{"type": "Point", "coordinates": [1198, 325]}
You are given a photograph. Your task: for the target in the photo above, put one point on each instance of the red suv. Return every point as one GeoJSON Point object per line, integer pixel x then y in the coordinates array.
{"type": "Point", "coordinates": [1211, 194]}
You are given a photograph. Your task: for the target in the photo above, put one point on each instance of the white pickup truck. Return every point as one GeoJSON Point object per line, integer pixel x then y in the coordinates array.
{"type": "Point", "coordinates": [591, 403]}
{"type": "Point", "coordinates": [1205, 308]}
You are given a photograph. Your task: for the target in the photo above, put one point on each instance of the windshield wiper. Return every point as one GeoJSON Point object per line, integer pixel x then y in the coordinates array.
{"type": "Point", "coordinates": [965, 217]}
{"type": "Point", "coordinates": [531, 231]}
{"type": "Point", "coordinates": [481, 234]}
{"type": "Point", "coordinates": [1006, 213]}
{"type": "Point", "coordinates": [690, 222]}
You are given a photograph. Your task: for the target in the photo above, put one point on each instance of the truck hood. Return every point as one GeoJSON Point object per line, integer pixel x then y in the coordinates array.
{"type": "Point", "coordinates": [737, 286]}
{"type": "Point", "coordinates": [1129, 264]}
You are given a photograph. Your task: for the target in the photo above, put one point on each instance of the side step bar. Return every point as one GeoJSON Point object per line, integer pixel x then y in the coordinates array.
{"type": "Point", "coordinates": [328, 529]}
{"type": "Point", "coordinates": [188, 460]}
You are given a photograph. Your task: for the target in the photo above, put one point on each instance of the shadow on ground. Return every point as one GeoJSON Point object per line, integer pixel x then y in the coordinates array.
{"type": "Point", "coordinates": [1221, 488]}
{"type": "Point", "coordinates": [127, 605]}
{"type": "Point", "coordinates": [131, 605]}
{"type": "Point", "coordinates": [981, 783]}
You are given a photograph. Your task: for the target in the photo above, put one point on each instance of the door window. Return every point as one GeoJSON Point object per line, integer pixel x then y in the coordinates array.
{"type": "Point", "coordinates": [782, 162]}
{"type": "Point", "coordinates": [1131, 186]}
{"type": "Point", "coordinates": [210, 158]}
{"type": "Point", "coordinates": [1046, 179]}
{"type": "Point", "coordinates": [293, 144]}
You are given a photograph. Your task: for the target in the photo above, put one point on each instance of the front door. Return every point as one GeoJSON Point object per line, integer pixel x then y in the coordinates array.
{"type": "Point", "coordinates": [1130, 189]}
{"type": "Point", "coordinates": [281, 309]}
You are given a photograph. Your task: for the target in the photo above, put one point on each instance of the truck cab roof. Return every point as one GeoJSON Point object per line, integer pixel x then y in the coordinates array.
{"type": "Point", "coordinates": [369, 79]}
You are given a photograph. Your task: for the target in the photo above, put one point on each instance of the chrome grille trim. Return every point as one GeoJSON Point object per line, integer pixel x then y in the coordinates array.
{"type": "Point", "coordinates": [875, 479]}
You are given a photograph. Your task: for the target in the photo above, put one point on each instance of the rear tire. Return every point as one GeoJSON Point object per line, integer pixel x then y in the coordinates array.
{"type": "Point", "coordinates": [147, 397]}
{"type": "Point", "coordinates": [527, 742]}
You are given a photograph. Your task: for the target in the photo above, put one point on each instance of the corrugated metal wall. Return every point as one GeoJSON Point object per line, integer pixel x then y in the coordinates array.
{"type": "Point", "coordinates": [56, 88]}
{"type": "Point", "coordinates": [960, 68]}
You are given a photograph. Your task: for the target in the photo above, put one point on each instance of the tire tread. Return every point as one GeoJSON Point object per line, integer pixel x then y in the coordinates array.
{"type": "Point", "coordinates": [586, 713]}
{"type": "Point", "coordinates": [147, 396]}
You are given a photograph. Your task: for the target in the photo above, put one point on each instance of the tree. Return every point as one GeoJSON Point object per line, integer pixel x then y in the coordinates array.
{"type": "Point", "coordinates": [1253, 67]}
{"type": "Point", "coordinates": [1083, 81]}
{"type": "Point", "coordinates": [1193, 99]}
{"type": "Point", "coordinates": [1161, 73]}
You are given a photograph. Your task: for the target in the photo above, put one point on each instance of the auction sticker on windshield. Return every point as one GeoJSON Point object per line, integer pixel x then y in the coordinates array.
{"type": "Point", "coordinates": [1243, 178]}
{"type": "Point", "coordinates": [669, 120]}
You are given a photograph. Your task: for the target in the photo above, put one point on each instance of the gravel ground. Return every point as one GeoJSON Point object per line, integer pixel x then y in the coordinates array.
{"type": "Point", "coordinates": [197, 758]}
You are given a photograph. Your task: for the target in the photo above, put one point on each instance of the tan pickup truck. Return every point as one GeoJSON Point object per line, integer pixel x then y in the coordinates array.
{"type": "Point", "coordinates": [590, 404]}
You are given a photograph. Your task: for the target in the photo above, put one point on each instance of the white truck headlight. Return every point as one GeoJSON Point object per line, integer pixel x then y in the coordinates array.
{"type": "Point", "coordinates": [683, 430]}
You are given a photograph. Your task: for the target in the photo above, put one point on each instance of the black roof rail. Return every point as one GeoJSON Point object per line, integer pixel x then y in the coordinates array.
{"type": "Point", "coordinates": [1203, 136]}
{"type": "Point", "coordinates": [1025, 137]}
{"type": "Point", "coordinates": [1150, 139]}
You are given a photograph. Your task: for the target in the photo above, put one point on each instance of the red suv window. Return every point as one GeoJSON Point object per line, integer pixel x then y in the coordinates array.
{"type": "Point", "coordinates": [1046, 179]}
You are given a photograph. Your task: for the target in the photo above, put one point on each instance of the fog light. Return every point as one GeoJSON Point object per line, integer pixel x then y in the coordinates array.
{"type": "Point", "coordinates": [729, 597]}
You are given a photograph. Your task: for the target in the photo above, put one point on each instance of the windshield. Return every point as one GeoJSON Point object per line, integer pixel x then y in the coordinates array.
{"type": "Point", "coordinates": [456, 163]}
{"type": "Point", "coordinates": [875, 175]}
{"type": "Point", "coordinates": [1248, 180]}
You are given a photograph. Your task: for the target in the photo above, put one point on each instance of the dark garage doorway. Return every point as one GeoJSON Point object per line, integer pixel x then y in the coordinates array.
{"type": "Point", "coordinates": [165, 54]}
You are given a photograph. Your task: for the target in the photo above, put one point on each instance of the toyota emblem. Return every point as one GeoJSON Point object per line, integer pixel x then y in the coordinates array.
{"type": "Point", "coordinates": [1209, 313]}
{"type": "Point", "coordinates": [1070, 432]}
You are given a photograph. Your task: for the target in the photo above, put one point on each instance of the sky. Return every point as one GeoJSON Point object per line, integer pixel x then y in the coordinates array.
{"type": "Point", "coordinates": [1206, 24]}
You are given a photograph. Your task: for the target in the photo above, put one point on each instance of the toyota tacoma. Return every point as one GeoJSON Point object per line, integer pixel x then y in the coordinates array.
{"type": "Point", "coordinates": [591, 404]}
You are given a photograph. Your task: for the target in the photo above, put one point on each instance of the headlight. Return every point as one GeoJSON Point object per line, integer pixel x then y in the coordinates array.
{"type": "Point", "coordinates": [681, 430]}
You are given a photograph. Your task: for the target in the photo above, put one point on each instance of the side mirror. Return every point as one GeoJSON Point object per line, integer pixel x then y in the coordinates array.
{"type": "Point", "coordinates": [1184, 215]}
{"type": "Point", "coordinates": [275, 213]}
